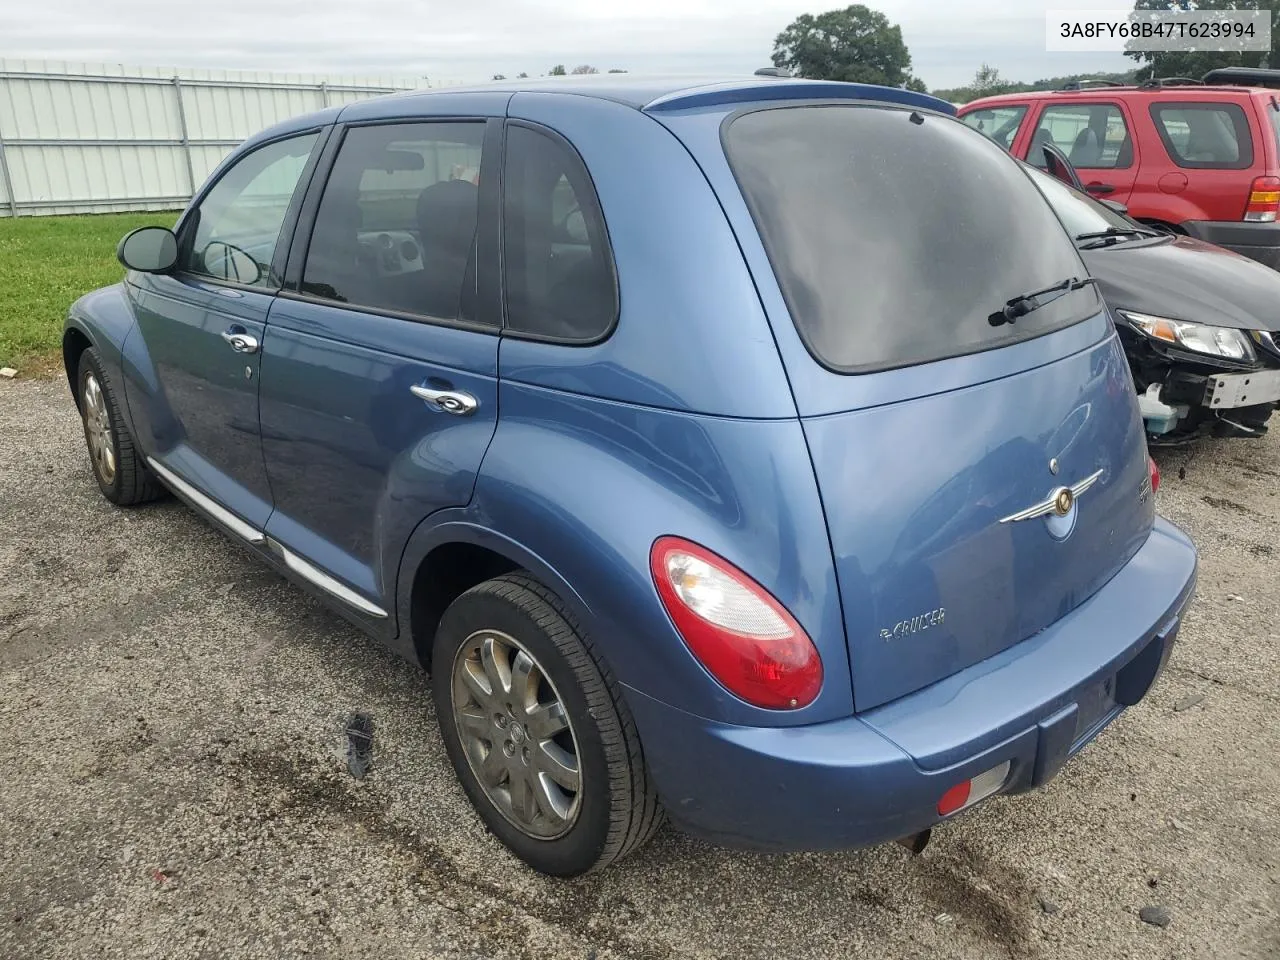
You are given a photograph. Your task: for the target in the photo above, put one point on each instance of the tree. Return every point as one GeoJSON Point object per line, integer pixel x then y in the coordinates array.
{"type": "Point", "coordinates": [1195, 64]}
{"type": "Point", "coordinates": [855, 44]}
{"type": "Point", "coordinates": [584, 68]}
{"type": "Point", "coordinates": [916, 84]}
{"type": "Point", "coordinates": [522, 76]}
{"type": "Point", "coordinates": [987, 82]}
{"type": "Point", "coordinates": [499, 76]}
{"type": "Point", "coordinates": [616, 70]}
{"type": "Point", "coordinates": [557, 70]}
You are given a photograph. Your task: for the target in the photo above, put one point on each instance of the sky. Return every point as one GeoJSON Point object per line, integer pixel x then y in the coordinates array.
{"type": "Point", "coordinates": [452, 41]}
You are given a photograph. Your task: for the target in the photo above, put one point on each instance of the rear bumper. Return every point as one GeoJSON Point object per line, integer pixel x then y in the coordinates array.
{"type": "Point", "coordinates": [878, 776]}
{"type": "Point", "coordinates": [1257, 241]}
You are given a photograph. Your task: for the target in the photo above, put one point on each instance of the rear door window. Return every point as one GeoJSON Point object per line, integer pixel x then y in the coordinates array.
{"type": "Point", "coordinates": [1204, 135]}
{"type": "Point", "coordinates": [999, 123]}
{"type": "Point", "coordinates": [1092, 135]}
{"type": "Point", "coordinates": [895, 235]}
{"type": "Point", "coordinates": [559, 273]}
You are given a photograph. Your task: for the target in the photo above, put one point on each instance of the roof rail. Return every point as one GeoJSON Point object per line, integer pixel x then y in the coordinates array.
{"type": "Point", "coordinates": [1157, 82]}
{"type": "Point", "coordinates": [1243, 76]}
{"type": "Point", "coordinates": [1087, 83]}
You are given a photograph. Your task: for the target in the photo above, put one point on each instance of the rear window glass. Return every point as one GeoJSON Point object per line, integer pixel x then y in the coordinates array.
{"type": "Point", "coordinates": [894, 241]}
{"type": "Point", "coordinates": [1204, 135]}
{"type": "Point", "coordinates": [999, 123]}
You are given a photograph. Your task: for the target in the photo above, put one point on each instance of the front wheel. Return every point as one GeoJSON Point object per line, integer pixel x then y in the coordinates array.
{"type": "Point", "coordinates": [537, 732]}
{"type": "Point", "coordinates": [118, 466]}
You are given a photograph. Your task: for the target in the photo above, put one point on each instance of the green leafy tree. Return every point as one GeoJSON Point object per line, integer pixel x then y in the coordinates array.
{"type": "Point", "coordinates": [616, 70]}
{"type": "Point", "coordinates": [856, 44]}
{"type": "Point", "coordinates": [1195, 64]}
{"type": "Point", "coordinates": [522, 76]}
{"type": "Point", "coordinates": [987, 82]}
{"type": "Point", "coordinates": [916, 84]}
{"type": "Point", "coordinates": [583, 68]}
{"type": "Point", "coordinates": [557, 71]}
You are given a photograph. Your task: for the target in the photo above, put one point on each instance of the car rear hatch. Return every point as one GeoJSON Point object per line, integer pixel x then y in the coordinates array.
{"type": "Point", "coordinates": [942, 434]}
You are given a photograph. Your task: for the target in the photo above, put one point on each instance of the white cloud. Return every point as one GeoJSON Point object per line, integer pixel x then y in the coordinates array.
{"type": "Point", "coordinates": [473, 39]}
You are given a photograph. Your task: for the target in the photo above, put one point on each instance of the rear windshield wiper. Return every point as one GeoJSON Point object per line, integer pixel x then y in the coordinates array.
{"type": "Point", "coordinates": [1021, 306]}
{"type": "Point", "coordinates": [1113, 234]}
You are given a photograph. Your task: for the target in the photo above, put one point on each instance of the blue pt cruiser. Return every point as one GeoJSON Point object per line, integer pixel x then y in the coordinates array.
{"type": "Point", "coordinates": [754, 453]}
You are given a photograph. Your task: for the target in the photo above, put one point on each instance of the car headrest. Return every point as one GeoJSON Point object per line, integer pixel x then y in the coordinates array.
{"type": "Point", "coordinates": [447, 217]}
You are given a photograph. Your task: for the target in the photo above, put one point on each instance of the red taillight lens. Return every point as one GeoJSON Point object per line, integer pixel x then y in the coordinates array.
{"type": "Point", "coordinates": [1155, 473]}
{"type": "Point", "coordinates": [743, 636]}
{"type": "Point", "coordinates": [1264, 200]}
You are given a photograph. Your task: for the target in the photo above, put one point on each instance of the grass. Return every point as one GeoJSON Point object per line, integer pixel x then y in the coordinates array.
{"type": "Point", "coordinates": [46, 263]}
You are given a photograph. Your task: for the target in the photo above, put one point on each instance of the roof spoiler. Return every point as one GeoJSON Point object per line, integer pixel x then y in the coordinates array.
{"type": "Point", "coordinates": [778, 88]}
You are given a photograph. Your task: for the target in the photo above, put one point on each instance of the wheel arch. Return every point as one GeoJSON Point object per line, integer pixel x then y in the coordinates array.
{"type": "Point", "coordinates": [103, 320]}
{"type": "Point", "coordinates": [449, 554]}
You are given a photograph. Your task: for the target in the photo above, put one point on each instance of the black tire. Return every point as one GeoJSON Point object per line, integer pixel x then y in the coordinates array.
{"type": "Point", "coordinates": [129, 481]}
{"type": "Point", "coordinates": [618, 809]}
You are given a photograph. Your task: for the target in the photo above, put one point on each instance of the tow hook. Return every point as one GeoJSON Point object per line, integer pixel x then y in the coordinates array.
{"type": "Point", "coordinates": [915, 842]}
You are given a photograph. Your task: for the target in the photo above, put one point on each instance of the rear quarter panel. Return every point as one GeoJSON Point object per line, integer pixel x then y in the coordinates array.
{"type": "Point", "coordinates": [1172, 194]}
{"type": "Point", "coordinates": [587, 485]}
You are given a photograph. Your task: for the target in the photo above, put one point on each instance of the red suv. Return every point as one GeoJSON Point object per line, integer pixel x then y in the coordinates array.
{"type": "Point", "coordinates": [1187, 157]}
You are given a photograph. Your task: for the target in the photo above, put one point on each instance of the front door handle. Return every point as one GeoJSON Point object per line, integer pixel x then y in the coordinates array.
{"type": "Point", "coordinates": [240, 341]}
{"type": "Point", "coordinates": [457, 402]}
{"type": "Point", "coordinates": [1097, 187]}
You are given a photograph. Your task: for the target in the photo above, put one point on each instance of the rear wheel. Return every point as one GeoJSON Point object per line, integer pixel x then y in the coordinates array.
{"type": "Point", "coordinates": [118, 467]}
{"type": "Point", "coordinates": [533, 723]}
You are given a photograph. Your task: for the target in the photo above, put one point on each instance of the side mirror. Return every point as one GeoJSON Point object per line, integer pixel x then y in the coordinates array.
{"type": "Point", "coordinates": [231, 263]}
{"type": "Point", "coordinates": [149, 250]}
{"type": "Point", "coordinates": [1114, 205]}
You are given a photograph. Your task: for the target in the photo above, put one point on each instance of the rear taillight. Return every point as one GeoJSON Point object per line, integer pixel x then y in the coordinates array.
{"type": "Point", "coordinates": [743, 636]}
{"type": "Point", "coordinates": [1155, 473]}
{"type": "Point", "coordinates": [1264, 200]}
{"type": "Point", "coordinates": [968, 792]}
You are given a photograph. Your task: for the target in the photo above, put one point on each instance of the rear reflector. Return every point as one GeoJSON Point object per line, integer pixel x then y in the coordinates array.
{"type": "Point", "coordinates": [968, 792]}
{"type": "Point", "coordinates": [1264, 200]}
{"type": "Point", "coordinates": [1155, 473]}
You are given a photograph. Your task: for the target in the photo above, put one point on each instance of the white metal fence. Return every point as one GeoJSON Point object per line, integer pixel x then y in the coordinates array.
{"type": "Point", "coordinates": [89, 138]}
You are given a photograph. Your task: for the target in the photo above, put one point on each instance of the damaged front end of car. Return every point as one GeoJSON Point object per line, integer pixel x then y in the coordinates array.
{"type": "Point", "coordinates": [1197, 379]}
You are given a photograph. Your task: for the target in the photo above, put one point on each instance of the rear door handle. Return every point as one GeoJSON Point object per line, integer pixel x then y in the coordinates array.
{"type": "Point", "coordinates": [457, 402]}
{"type": "Point", "coordinates": [240, 341]}
{"type": "Point", "coordinates": [1097, 187]}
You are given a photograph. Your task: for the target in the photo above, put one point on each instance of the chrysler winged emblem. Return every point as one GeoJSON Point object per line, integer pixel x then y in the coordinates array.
{"type": "Point", "coordinates": [1058, 503]}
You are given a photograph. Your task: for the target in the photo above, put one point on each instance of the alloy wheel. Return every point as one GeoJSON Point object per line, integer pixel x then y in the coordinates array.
{"type": "Point", "coordinates": [97, 430]}
{"type": "Point", "coordinates": [516, 734]}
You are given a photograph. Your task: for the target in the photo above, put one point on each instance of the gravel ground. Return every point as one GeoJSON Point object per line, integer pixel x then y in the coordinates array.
{"type": "Point", "coordinates": [174, 781]}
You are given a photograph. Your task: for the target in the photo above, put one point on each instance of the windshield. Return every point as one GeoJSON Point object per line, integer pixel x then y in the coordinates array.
{"type": "Point", "coordinates": [1078, 213]}
{"type": "Point", "coordinates": [895, 234]}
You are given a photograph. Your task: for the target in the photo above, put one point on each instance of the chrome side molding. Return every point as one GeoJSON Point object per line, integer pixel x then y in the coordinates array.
{"type": "Point", "coordinates": [328, 584]}
{"type": "Point", "coordinates": [214, 509]}
{"type": "Point", "coordinates": [251, 534]}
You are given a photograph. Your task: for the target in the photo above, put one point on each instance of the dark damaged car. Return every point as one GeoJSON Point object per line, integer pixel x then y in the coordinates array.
{"type": "Point", "coordinates": [1199, 323]}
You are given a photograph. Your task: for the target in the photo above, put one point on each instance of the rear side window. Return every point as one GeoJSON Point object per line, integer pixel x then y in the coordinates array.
{"type": "Point", "coordinates": [396, 227]}
{"type": "Point", "coordinates": [1204, 135]}
{"type": "Point", "coordinates": [1093, 136]}
{"type": "Point", "coordinates": [559, 274]}
{"type": "Point", "coordinates": [893, 240]}
{"type": "Point", "coordinates": [999, 123]}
